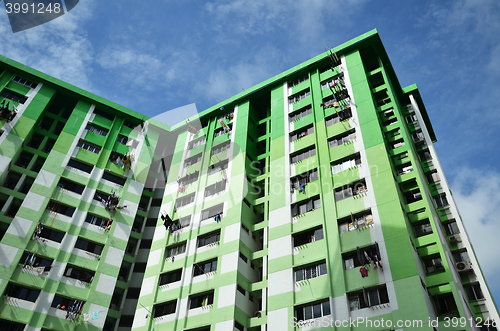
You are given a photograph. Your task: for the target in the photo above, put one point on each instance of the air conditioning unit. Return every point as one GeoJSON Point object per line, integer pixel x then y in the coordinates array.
{"type": "Point", "coordinates": [455, 239]}
{"type": "Point", "coordinates": [463, 266]}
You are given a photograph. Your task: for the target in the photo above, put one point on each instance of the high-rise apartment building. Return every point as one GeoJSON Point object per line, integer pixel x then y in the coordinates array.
{"type": "Point", "coordinates": [314, 200]}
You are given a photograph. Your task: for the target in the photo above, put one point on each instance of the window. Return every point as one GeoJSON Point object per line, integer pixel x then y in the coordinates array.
{"type": "Point", "coordinates": [64, 303]}
{"type": "Point", "coordinates": [51, 235]}
{"type": "Point", "coordinates": [413, 196]}
{"type": "Point", "coordinates": [80, 274]}
{"type": "Point", "coordinates": [184, 221]}
{"type": "Point", "coordinates": [343, 114]}
{"type": "Point", "coordinates": [397, 143]}
{"type": "Point", "coordinates": [240, 289]}
{"type": "Point", "coordinates": [355, 221]}
{"type": "Point", "coordinates": [346, 164]}
{"type": "Point", "coordinates": [474, 292]}
{"type": "Point", "coordinates": [197, 142]}
{"type": "Point", "coordinates": [300, 113]}
{"type": "Point", "coordinates": [310, 272]}
{"type": "Point", "coordinates": [95, 129]}
{"type": "Point", "coordinates": [243, 257]}
{"type": "Point", "coordinates": [441, 200]}
{"type": "Point", "coordinates": [389, 112]}
{"type": "Point", "coordinates": [358, 257]}
{"type": "Point", "coordinates": [238, 326]}
{"type": "Point", "coordinates": [404, 169]}
{"type": "Point", "coordinates": [302, 133]}
{"type": "Point", "coordinates": [221, 147]}
{"type": "Point", "coordinates": [303, 155]}
{"type": "Point", "coordinates": [337, 141]}
{"type": "Point", "coordinates": [205, 267]}
{"type": "Point", "coordinates": [201, 300]}
{"type": "Point", "coordinates": [25, 82]}
{"type": "Point", "coordinates": [89, 246]}
{"type": "Point", "coordinates": [296, 98]}
{"type": "Point", "coordinates": [88, 146]}
{"type": "Point", "coordinates": [209, 239]}
{"type": "Point", "coordinates": [170, 277]}
{"type": "Point", "coordinates": [184, 201]}
{"type": "Point", "coordinates": [425, 155]}
{"type": "Point", "coordinates": [451, 227]}
{"type": "Point", "coordinates": [433, 177]}
{"type": "Point", "coordinates": [164, 309]}
{"type": "Point", "coordinates": [423, 229]}
{"type": "Point", "coordinates": [192, 160]}
{"type": "Point", "coordinates": [307, 206]}
{"type": "Point", "coordinates": [417, 137]}
{"type": "Point", "coordinates": [304, 178]}
{"type": "Point", "coordinates": [215, 188]}
{"type": "Point", "coordinates": [297, 81]}
{"type": "Point", "coordinates": [307, 237]}
{"type": "Point", "coordinates": [20, 292]}
{"type": "Point", "coordinates": [411, 118]}
{"type": "Point", "coordinates": [176, 250]}
{"type": "Point", "coordinates": [35, 261]}
{"type": "Point", "coordinates": [56, 207]}
{"type": "Point", "coordinates": [70, 186]}
{"type": "Point", "coordinates": [9, 325]}
{"type": "Point", "coordinates": [211, 212]}
{"type": "Point", "coordinates": [13, 96]}
{"type": "Point", "coordinates": [24, 159]}
{"type": "Point", "coordinates": [461, 256]}
{"type": "Point", "coordinates": [445, 304]}
{"type": "Point", "coordinates": [214, 168]}
{"type": "Point", "coordinates": [80, 166]}
{"type": "Point", "coordinates": [304, 313]}
{"type": "Point", "coordinates": [113, 178]}
{"type": "Point", "coordinates": [221, 131]}
{"type": "Point", "coordinates": [129, 124]}
{"type": "Point", "coordinates": [188, 179]}
{"type": "Point", "coordinates": [368, 298]}
{"type": "Point", "coordinates": [433, 264]}
{"type": "Point", "coordinates": [101, 113]}
{"type": "Point", "coordinates": [351, 190]}
{"type": "Point", "coordinates": [122, 139]}
{"type": "Point", "coordinates": [333, 82]}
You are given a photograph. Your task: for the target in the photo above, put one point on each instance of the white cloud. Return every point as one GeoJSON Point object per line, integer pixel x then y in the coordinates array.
{"type": "Point", "coordinates": [59, 48]}
{"type": "Point", "coordinates": [224, 82]}
{"type": "Point", "coordinates": [302, 19]}
{"type": "Point", "coordinates": [477, 194]}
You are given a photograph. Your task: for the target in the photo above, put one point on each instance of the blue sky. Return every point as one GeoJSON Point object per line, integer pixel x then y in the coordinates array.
{"type": "Point", "coordinates": [156, 56]}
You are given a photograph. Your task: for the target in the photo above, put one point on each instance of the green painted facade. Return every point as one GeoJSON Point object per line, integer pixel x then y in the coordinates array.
{"type": "Point", "coordinates": [251, 249]}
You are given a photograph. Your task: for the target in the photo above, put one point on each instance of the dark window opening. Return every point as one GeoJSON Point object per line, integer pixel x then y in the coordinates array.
{"type": "Point", "coordinates": [201, 300]}
{"type": "Point", "coordinates": [70, 186]}
{"type": "Point", "coordinates": [83, 275]}
{"type": "Point", "coordinates": [204, 267]}
{"type": "Point", "coordinates": [170, 277]}
{"type": "Point", "coordinates": [307, 237]}
{"type": "Point", "coordinates": [89, 246]}
{"type": "Point", "coordinates": [80, 166]}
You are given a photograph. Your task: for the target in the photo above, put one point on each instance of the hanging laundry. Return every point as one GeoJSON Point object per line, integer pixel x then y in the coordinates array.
{"type": "Point", "coordinates": [303, 188]}
{"type": "Point", "coordinates": [167, 221]}
{"type": "Point", "coordinates": [217, 218]}
{"type": "Point", "coordinates": [370, 259]}
{"type": "Point", "coordinates": [95, 315]}
{"type": "Point", "coordinates": [86, 317]}
{"type": "Point", "coordinates": [363, 271]}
